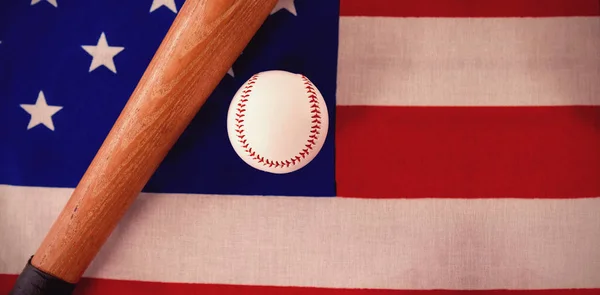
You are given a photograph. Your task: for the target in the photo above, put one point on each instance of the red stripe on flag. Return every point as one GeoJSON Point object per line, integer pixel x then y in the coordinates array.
{"type": "Point", "coordinates": [468, 152]}
{"type": "Point", "coordinates": [117, 287]}
{"type": "Point", "coordinates": [470, 8]}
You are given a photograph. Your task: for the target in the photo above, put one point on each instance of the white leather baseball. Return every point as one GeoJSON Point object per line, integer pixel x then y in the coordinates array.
{"type": "Point", "coordinates": [277, 121]}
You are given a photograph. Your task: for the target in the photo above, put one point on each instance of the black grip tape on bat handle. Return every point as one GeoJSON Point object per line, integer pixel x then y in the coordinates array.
{"type": "Point", "coordinates": [33, 281]}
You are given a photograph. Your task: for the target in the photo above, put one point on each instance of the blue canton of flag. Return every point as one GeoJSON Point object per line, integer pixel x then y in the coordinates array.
{"type": "Point", "coordinates": [67, 68]}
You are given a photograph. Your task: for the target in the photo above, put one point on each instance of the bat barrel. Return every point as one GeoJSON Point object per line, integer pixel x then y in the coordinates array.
{"type": "Point", "coordinates": [203, 42]}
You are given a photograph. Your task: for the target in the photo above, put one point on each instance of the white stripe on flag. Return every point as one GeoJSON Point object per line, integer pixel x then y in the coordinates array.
{"type": "Point", "coordinates": [329, 242]}
{"type": "Point", "coordinates": [469, 61]}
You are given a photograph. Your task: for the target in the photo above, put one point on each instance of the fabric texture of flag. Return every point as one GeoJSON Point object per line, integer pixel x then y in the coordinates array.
{"type": "Point", "coordinates": [463, 152]}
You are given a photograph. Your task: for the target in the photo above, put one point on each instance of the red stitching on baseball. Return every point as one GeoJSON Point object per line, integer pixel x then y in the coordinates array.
{"type": "Point", "coordinates": [312, 137]}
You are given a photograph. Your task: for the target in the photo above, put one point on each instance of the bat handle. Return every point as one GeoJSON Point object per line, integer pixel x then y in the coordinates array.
{"type": "Point", "coordinates": [33, 281]}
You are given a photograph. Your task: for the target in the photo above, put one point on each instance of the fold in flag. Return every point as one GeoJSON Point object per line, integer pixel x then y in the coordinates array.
{"type": "Point", "coordinates": [463, 155]}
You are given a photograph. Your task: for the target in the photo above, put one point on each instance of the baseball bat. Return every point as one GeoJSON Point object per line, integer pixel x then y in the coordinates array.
{"type": "Point", "coordinates": [201, 45]}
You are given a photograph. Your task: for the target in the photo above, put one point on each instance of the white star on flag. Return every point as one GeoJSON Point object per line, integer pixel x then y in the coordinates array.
{"type": "Point", "coordinates": [285, 4]}
{"type": "Point", "coordinates": [230, 71]}
{"type": "Point", "coordinates": [53, 2]}
{"type": "Point", "coordinates": [41, 112]}
{"type": "Point", "coordinates": [103, 54]}
{"type": "Point", "coordinates": [167, 3]}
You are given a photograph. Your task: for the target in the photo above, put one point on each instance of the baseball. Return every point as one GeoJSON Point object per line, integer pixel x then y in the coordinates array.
{"type": "Point", "coordinates": [277, 121]}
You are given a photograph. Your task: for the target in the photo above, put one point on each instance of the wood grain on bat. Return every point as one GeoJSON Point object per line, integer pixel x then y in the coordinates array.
{"type": "Point", "coordinates": [203, 42]}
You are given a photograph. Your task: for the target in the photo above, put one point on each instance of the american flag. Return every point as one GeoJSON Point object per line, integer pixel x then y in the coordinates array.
{"type": "Point", "coordinates": [463, 155]}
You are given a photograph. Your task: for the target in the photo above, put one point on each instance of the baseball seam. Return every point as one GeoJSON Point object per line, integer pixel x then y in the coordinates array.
{"type": "Point", "coordinates": [313, 135]}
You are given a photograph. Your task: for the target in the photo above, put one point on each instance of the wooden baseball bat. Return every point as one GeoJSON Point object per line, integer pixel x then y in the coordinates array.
{"type": "Point", "coordinates": [203, 42]}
